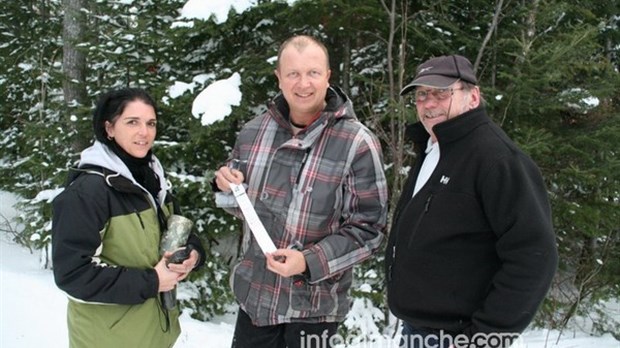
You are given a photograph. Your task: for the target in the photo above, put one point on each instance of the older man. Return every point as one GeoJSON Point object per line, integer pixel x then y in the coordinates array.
{"type": "Point", "coordinates": [472, 251]}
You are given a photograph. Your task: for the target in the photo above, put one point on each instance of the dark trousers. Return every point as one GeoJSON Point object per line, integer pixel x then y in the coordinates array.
{"type": "Point", "coordinates": [414, 337]}
{"type": "Point", "coordinates": [290, 335]}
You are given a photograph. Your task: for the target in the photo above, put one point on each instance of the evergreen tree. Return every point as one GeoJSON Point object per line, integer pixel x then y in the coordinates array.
{"type": "Point", "coordinates": [30, 112]}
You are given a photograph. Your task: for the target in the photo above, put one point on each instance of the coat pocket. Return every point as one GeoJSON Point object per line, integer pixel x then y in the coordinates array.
{"type": "Point", "coordinates": [303, 296]}
{"type": "Point", "coordinates": [240, 280]}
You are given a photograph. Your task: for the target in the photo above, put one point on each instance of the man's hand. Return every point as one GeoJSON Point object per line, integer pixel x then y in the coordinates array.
{"type": "Point", "coordinates": [286, 262]}
{"type": "Point", "coordinates": [225, 176]}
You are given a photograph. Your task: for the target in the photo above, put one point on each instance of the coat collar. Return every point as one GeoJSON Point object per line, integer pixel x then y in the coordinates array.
{"type": "Point", "coordinates": [338, 106]}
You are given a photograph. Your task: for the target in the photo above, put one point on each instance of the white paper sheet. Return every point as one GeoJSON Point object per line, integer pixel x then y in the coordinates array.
{"type": "Point", "coordinates": [252, 219]}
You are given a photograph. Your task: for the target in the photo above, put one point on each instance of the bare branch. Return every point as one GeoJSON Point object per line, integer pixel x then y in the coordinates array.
{"type": "Point", "coordinates": [487, 38]}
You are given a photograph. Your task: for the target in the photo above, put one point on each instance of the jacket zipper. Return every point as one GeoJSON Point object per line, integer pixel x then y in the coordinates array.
{"type": "Point", "coordinates": [417, 224]}
{"type": "Point", "coordinates": [389, 275]}
{"type": "Point", "coordinates": [303, 164]}
{"type": "Point", "coordinates": [426, 208]}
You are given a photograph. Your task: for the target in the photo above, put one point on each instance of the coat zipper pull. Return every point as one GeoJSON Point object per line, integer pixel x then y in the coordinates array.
{"type": "Point", "coordinates": [139, 218]}
{"type": "Point", "coordinates": [428, 203]}
{"type": "Point", "coordinates": [389, 275]}
{"type": "Point", "coordinates": [303, 164]}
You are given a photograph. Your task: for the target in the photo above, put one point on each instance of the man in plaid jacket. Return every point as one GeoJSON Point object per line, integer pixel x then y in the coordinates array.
{"type": "Point", "coordinates": [314, 174]}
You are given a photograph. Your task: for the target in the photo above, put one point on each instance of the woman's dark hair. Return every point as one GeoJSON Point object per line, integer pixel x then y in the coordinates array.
{"type": "Point", "coordinates": [111, 104]}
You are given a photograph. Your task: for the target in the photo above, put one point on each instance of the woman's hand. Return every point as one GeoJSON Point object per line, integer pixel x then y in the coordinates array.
{"type": "Point", "coordinates": [168, 278]}
{"type": "Point", "coordinates": [182, 269]}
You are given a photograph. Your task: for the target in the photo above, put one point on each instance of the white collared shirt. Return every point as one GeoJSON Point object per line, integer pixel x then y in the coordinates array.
{"type": "Point", "coordinates": [428, 167]}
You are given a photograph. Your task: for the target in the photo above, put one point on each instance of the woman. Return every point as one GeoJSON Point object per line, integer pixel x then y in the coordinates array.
{"type": "Point", "coordinates": [106, 232]}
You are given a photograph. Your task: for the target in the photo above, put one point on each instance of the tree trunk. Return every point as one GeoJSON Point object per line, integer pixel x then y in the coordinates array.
{"type": "Point", "coordinates": [74, 59]}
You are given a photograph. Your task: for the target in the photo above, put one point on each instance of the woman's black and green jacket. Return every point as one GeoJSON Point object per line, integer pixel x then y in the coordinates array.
{"type": "Point", "coordinates": [105, 244]}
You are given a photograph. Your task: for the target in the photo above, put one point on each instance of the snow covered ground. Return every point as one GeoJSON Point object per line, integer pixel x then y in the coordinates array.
{"type": "Point", "coordinates": [32, 310]}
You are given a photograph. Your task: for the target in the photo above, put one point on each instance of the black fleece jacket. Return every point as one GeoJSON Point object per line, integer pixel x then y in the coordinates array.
{"type": "Point", "coordinates": [474, 250]}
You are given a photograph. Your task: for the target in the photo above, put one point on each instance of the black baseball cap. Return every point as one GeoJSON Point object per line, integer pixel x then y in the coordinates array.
{"type": "Point", "coordinates": [442, 72]}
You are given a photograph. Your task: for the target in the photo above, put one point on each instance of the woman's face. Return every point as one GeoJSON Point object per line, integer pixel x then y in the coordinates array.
{"type": "Point", "coordinates": [134, 130]}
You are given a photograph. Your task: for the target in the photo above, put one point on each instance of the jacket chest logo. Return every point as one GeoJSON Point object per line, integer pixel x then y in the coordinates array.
{"type": "Point", "coordinates": [444, 179]}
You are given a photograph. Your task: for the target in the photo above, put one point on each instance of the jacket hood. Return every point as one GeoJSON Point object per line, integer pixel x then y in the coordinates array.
{"type": "Point", "coordinates": [100, 155]}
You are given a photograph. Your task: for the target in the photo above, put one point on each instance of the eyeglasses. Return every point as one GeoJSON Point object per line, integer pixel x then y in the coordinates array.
{"type": "Point", "coordinates": [421, 96]}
